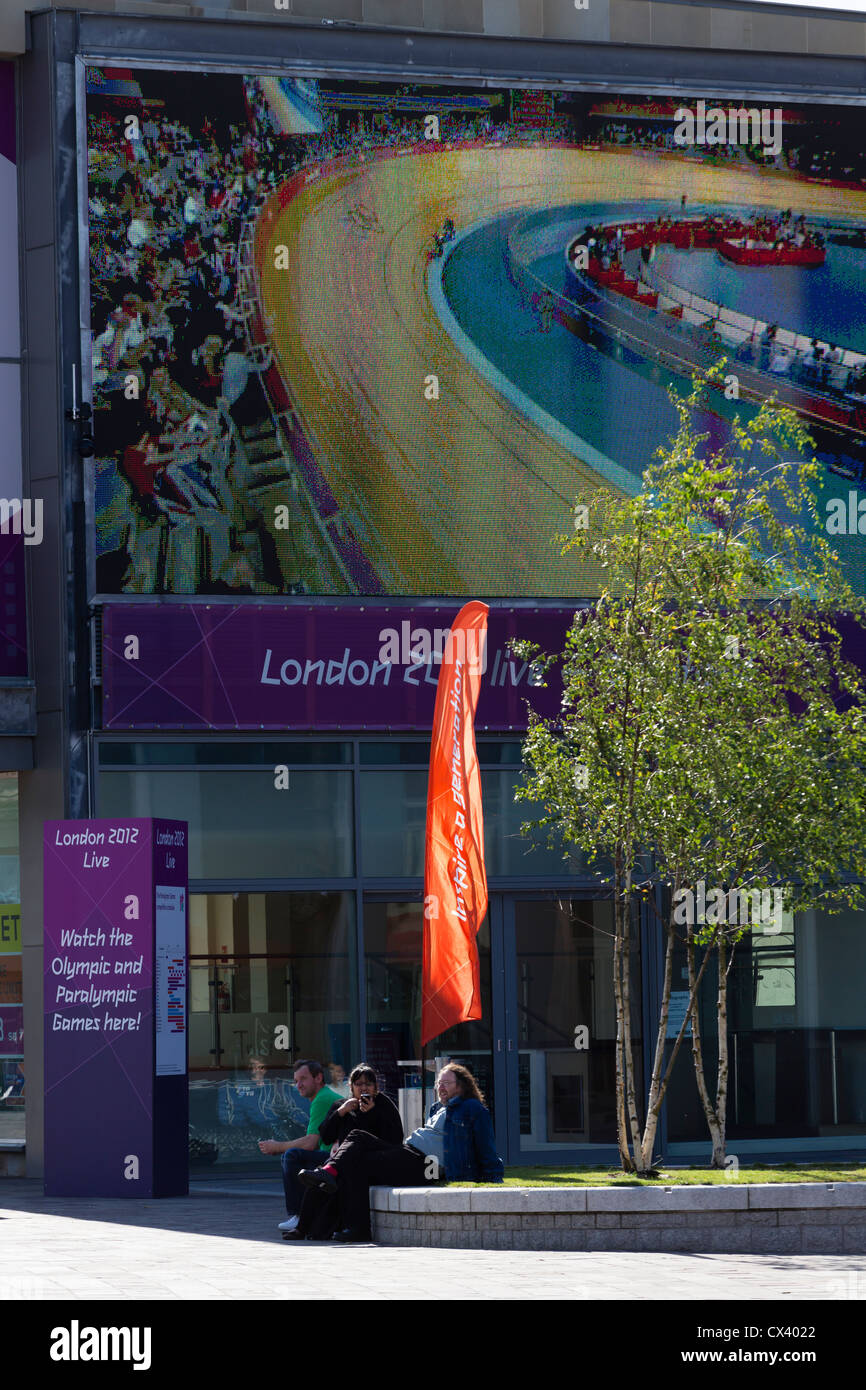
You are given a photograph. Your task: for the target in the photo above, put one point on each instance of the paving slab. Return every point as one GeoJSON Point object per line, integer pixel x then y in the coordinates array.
{"type": "Point", "coordinates": [228, 1247]}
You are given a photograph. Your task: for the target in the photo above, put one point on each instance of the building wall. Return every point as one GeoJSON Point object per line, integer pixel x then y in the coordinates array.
{"type": "Point", "coordinates": [58, 786]}
{"type": "Point", "coordinates": [49, 302]}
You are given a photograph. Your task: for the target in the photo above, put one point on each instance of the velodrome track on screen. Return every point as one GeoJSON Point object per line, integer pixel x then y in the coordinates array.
{"type": "Point", "coordinates": [464, 493]}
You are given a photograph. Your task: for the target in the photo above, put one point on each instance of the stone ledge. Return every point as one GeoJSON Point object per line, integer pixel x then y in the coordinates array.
{"type": "Point", "coordinates": [453, 1231]}
{"type": "Point", "coordinates": [560, 1200]}
{"type": "Point", "coordinates": [766, 1218]}
{"type": "Point", "coordinates": [710, 1198]}
{"type": "Point", "coordinates": [807, 1194]}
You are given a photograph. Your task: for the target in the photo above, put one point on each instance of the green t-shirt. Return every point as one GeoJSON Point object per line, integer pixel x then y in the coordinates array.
{"type": "Point", "coordinates": [319, 1107]}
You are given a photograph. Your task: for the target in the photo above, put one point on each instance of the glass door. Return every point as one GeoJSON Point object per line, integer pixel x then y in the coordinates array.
{"type": "Point", "coordinates": [392, 939]}
{"type": "Point", "coordinates": [273, 978]}
{"type": "Point", "coordinates": [543, 1051]}
{"type": "Point", "coordinates": [560, 1028]}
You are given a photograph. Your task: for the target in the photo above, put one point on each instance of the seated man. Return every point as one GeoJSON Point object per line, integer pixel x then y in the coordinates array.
{"type": "Point", "coordinates": [368, 1109]}
{"type": "Point", "coordinates": [456, 1143]}
{"type": "Point", "coordinates": [305, 1152]}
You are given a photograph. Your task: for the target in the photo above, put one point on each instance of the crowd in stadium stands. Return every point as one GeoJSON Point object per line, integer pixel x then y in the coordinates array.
{"type": "Point", "coordinates": [801, 151]}
{"type": "Point", "coordinates": [658, 135]}
{"type": "Point", "coordinates": [358, 132]}
{"type": "Point", "coordinates": [166, 213]}
{"type": "Point", "coordinates": [844, 165]}
{"type": "Point", "coordinates": [169, 336]}
{"type": "Point", "coordinates": [169, 340]}
{"type": "Point", "coordinates": [778, 230]}
{"type": "Point", "coordinates": [605, 244]}
{"type": "Point", "coordinates": [821, 367]}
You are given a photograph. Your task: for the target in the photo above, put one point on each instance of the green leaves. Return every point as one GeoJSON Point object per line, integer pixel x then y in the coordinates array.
{"type": "Point", "coordinates": [705, 691]}
{"type": "Point", "coordinates": [719, 732]}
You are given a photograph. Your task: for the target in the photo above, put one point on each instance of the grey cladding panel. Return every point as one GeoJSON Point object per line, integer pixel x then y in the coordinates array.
{"type": "Point", "coordinates": [454, 15]}
{"type": "Point", "coordinates": [408, 13]}
{"type": "Point", "coordinates": [836, 36]}
{"type": "Point", "coordinates": [562, 20]}
{"type": "Point", "coordinates": [680, 26]}
{"type": "Point", "coordinates": [630, 21]}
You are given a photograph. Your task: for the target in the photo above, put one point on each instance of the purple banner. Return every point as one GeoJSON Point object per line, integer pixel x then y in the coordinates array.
{"type": "Point", "coordinates": [115, 894]}
{"type": "Point", "coordinates": [233, 666]}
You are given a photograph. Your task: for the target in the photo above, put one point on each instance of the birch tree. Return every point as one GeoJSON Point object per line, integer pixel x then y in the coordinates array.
{"type": "Point", "coordinates": [710, 732]}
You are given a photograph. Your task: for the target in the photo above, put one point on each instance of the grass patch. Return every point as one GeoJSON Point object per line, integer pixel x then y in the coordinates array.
{"type": "Point", "coordinates": [604, 1176]}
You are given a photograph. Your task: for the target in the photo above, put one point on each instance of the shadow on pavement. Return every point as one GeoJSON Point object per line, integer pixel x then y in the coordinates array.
{"type": "Point", "coordinates": [245, 1209]}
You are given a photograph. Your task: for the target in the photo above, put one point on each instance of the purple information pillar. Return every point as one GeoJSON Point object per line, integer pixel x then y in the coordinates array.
{"type": "Point", "coordinates": [116, 1004]}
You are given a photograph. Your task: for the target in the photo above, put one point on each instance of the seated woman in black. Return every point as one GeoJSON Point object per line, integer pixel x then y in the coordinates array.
{"type": "Point", "coordinates": [367, 1109]}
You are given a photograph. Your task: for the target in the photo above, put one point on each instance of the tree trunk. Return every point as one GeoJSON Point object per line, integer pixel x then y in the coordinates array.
{"type": "Point", "coordinates": [636, 1145]}
{"type": "Point", "coordinates": [716, 1133]}
{"type": "Point", "coordinates": [621, 1059]}
{"type": "Point", "coordinates": [660, 1083]}
{"type": "Point", "coordinates": [725, 963]}
{"type": "Point", "coordinates": [656, 1091]}
{"type": "Point", "coordinates": [638, 1141]}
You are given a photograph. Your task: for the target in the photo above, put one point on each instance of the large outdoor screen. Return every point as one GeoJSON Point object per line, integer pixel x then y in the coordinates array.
{"type": "Point", "coordinates": [364, 338]}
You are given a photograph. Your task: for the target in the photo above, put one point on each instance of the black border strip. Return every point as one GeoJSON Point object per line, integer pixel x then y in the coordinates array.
{"type": "Point", "coordinates": [415, 55]}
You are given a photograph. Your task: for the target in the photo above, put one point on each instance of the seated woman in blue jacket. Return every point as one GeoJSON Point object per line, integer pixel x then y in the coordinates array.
{"type": "Point", "coordinates": [456, 1144]}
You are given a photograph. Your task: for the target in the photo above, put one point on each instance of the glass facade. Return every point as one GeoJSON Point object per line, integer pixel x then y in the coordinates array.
{"type": "Point", "coordinates": [332, 970]}
{"type": "Point", "coordinates": [566, 1022]}
{"type": "Point", "coordinates": [796, 1036]}
{"type": "Point", "coordinates": [392, 939]}
{"type": "Point", "coordinates": [306, 880]}
{"type": "Point", "coordinates": [272, 978]}
{"type": "Point", "coordinates": [242, 824]}
{"type": "Point", "coordinates": [393, 816]}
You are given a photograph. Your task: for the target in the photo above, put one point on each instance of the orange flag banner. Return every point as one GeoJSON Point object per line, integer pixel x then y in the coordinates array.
{"type": "Point", "coordinates": [455, 881]}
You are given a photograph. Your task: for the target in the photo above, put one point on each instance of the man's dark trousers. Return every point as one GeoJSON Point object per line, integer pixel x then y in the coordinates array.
{"type": "Point", "coordinates": [291, 1162]}
{"type": "Point", "coordinates": [363, 1161]}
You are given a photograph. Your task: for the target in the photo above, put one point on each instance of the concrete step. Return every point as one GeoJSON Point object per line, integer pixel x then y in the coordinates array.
{"type": "Point", "coordinates": [12, 1158]}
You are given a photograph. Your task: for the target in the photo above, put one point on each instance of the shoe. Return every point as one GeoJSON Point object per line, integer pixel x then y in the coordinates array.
{"type": "Point", "coordinates": [294, 1235]}
{"type": "Point", "coordinates": [317, 1178]}
{"type": "Point", "coordinates": [289, 1225]}
{"type": "Point", "coordinates": [351, 1236]}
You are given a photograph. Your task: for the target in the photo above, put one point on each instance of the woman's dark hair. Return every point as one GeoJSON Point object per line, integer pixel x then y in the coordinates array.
{"type": "Point", "coordinates": [469, 1088]}
{"type": "Point", "coordinates": [363, 1071]}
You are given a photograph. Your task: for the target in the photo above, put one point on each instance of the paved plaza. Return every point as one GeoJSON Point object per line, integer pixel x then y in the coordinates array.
{"type": "Point", "coordinates": [221, 1243]}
